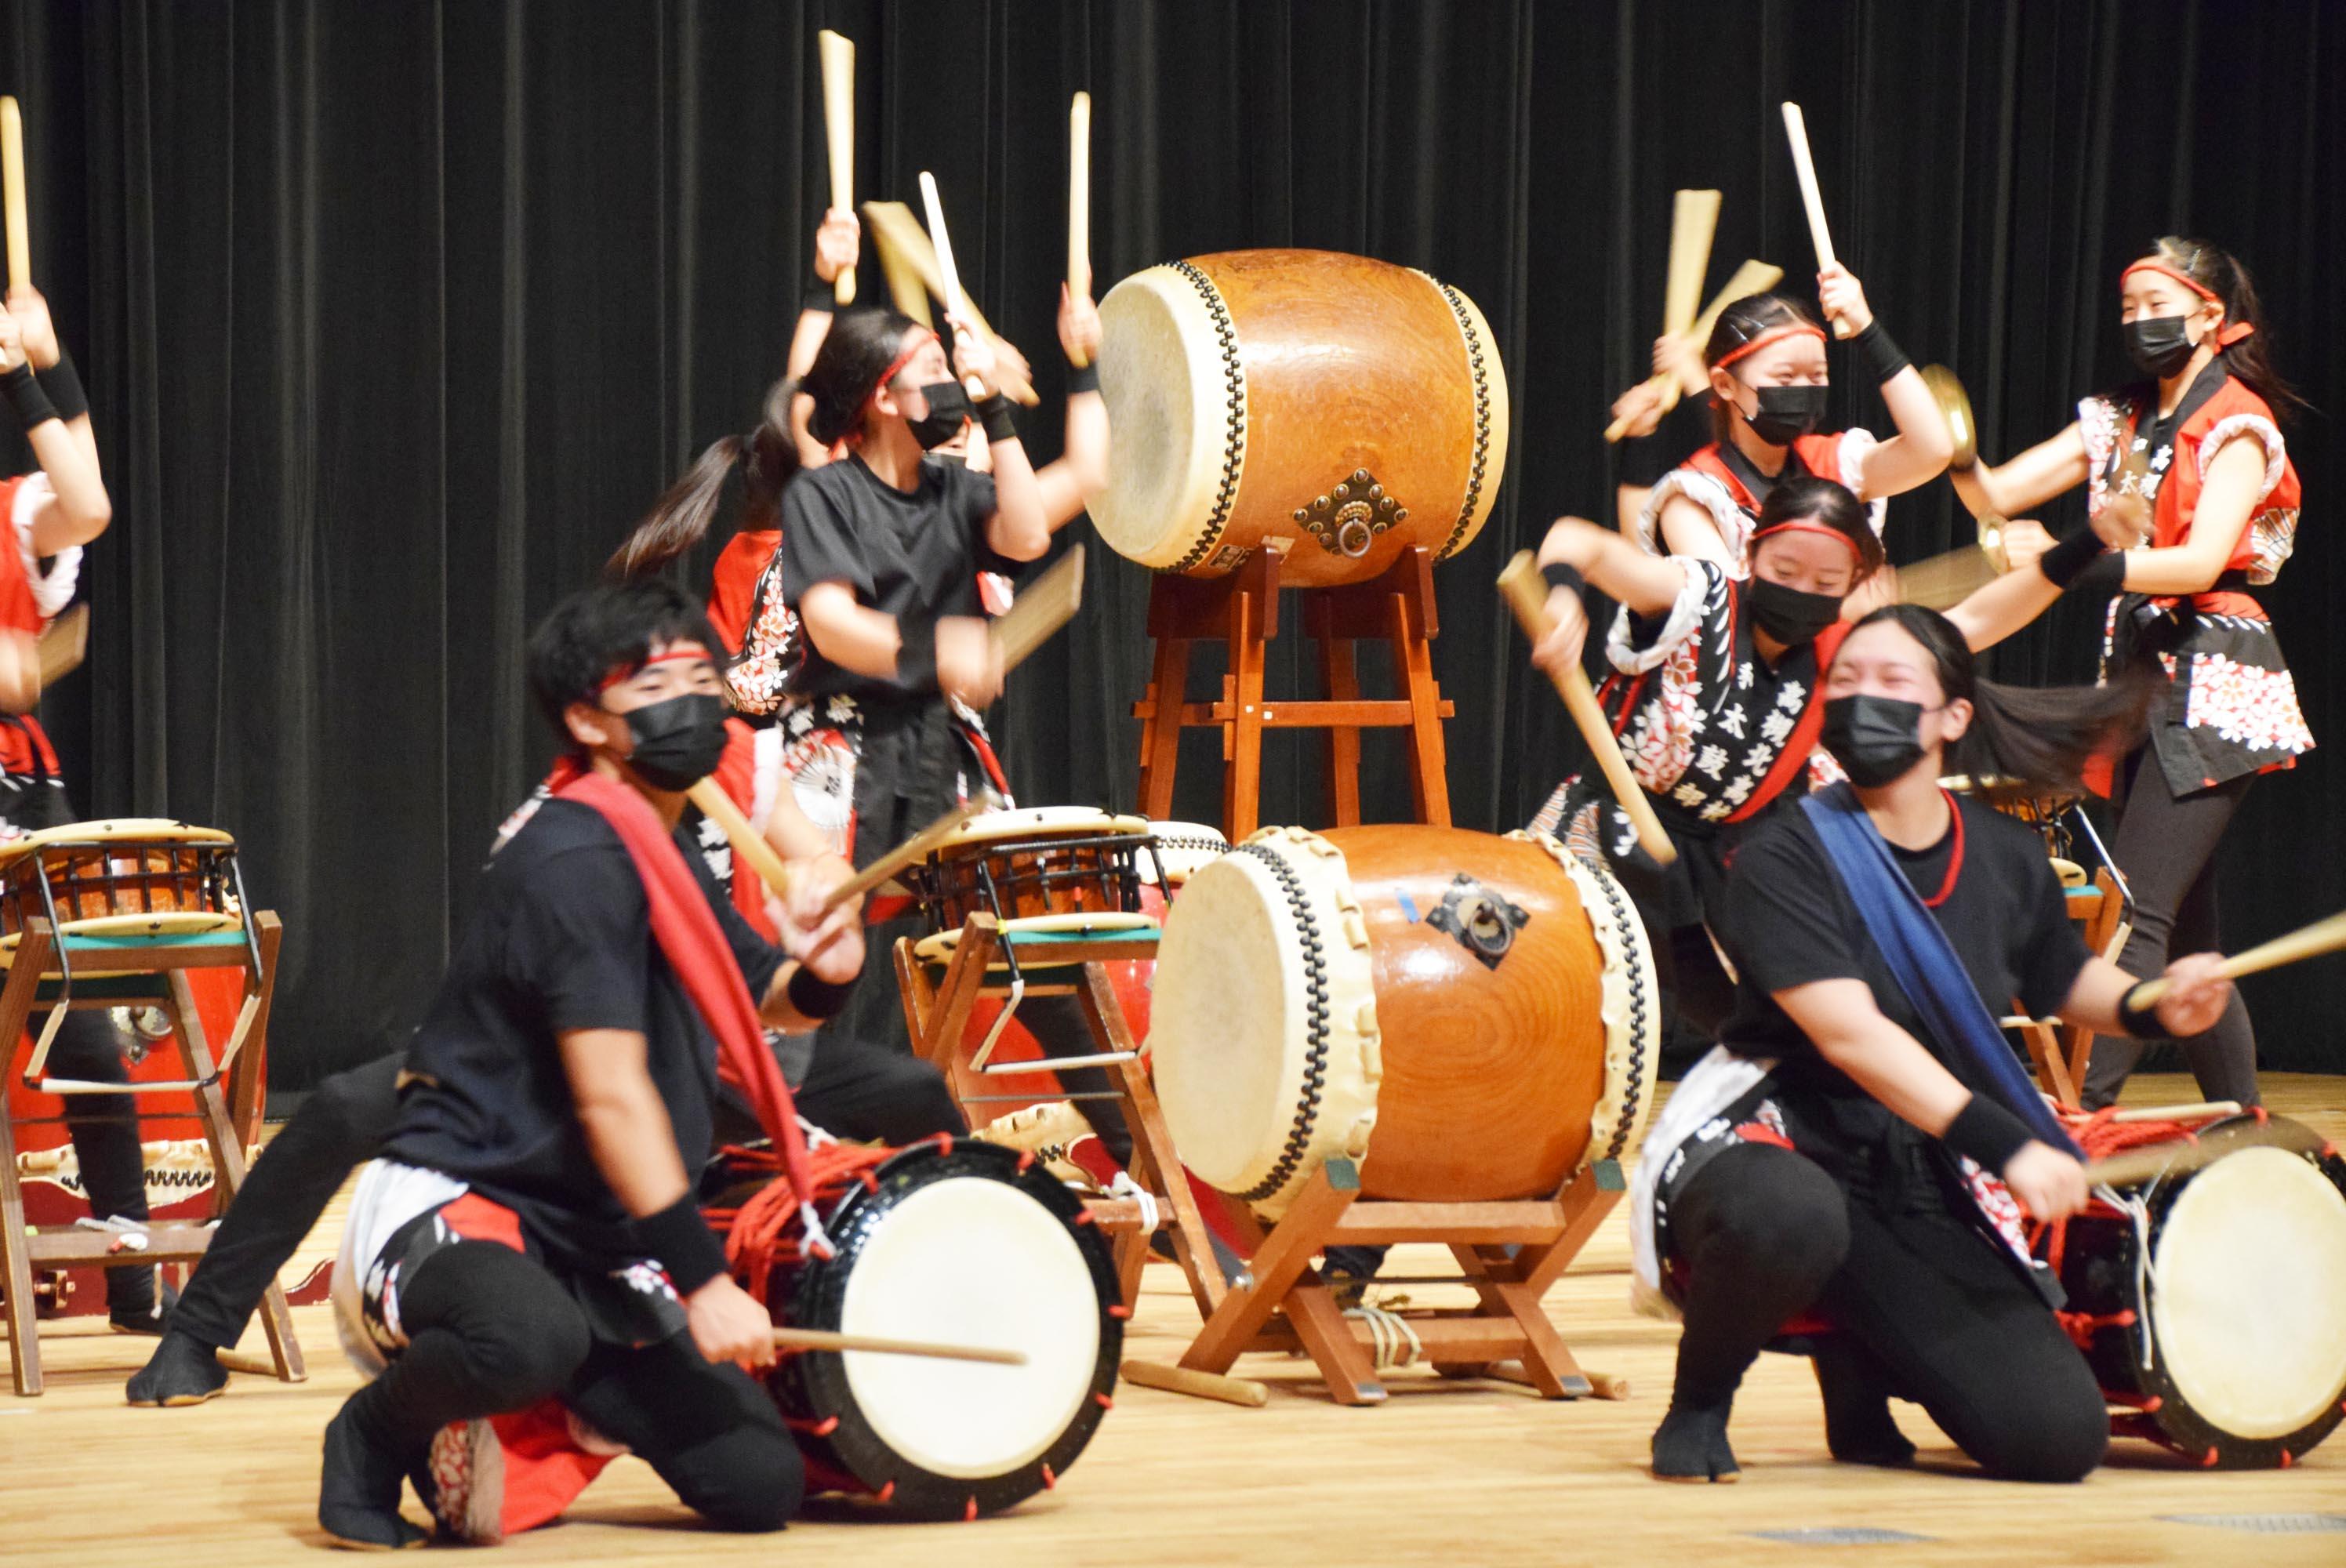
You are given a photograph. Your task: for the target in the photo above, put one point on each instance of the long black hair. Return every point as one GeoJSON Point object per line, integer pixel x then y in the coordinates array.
{"type": "Point", "coordinates": [2039, 738]}
{"type": "Point", "coordinates": [1806, 498]}
{"type": "Point", "coordinates": [766, 458]}
{"type": "Point", "coordinates": [1743, 321]}
{"type": "Point", "coordinates": [2221, 274]}
{"type": "Point", "coordinates": [855, 353]}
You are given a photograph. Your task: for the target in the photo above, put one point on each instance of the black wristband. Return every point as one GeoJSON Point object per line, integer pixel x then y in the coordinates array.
{"type": "Point", "coordinates": [1083, 378]}
{"type": "Point", "coordinates": [993, 413]}
{"type": "Point", "coordinates": [817, 999]}
{"type": "Point", "coordinates": [1886, 358]}
{"type": "Point", "coordinates": [2139, 1023]}
{"type": "Point", "coordinates": [679, 1240]}
{"type": "Point", "coordinates": [23, 389]}
{"type": "Point", "coordinates": [1988, 1133]}
{"type": "Point", "coordinates": [63, 383]}
{"type": "Point", "coordinates": [2062, 563]}
{"type": "Point", "coordinates": [820, 296]}
{"type": "Point", "coordinates": [916, 654]}
{"type": "Point", "coordinates": [1563, 574]}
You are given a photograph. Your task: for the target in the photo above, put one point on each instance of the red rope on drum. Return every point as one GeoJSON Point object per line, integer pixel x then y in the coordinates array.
{"type": "Point", "coordinates": [2100, 1135]}
{"type": "Point", "coordinates": [759, 1236]}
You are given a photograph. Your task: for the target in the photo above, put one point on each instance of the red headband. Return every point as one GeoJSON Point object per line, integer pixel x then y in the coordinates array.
{"type": "Point", "coordinates": [2230, 332]}
{"type": "Point", "coordinates": [1798, 526]}
{"type": "Point", "coordinates": [628, 672]}
{"type": "Point", "coordinates": [1773, 334]}
{"type": "Point", "coordinates": [896, 365]}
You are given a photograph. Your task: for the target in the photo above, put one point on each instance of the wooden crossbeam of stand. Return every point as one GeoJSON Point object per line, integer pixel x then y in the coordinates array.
{"type": "Point", "coordinates": [1284, 1304]}
{"type": "Point", "coordinates": [938, 1013]}
{"type": "Point", "coordinates": [227, 1110]}
{"type": "Point", "coordinates": [1241, 611]}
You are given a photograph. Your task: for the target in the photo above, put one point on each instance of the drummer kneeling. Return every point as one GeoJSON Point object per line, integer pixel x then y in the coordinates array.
{"type": "Point", "coordinates": [1864, 1142]}
{"type": "Point", "coordinates": [531, 1234]}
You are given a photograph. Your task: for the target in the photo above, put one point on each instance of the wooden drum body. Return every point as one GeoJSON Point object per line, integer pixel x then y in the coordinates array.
{"type": "Point", "coordinates": [1474, 1017]}
{"type": "Point", "coordinates": [1349, 407]}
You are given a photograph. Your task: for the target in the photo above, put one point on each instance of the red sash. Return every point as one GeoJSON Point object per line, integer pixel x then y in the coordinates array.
{"type": "Point", "coordinates": [695, 947]}
{"type": "Point", "coordinates": [1804, 739]}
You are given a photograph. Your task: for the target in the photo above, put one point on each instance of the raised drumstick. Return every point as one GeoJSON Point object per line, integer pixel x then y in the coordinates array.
{"type": "Point", "coordinates": [1526, 594]}
{"type": "Point", "coordinates": [1694, 219]}
{"type": "Point", "coordinates": [948, 274]}
{"type": "Point", "coordinates": [1796, 131]}
{"type": "Point", "coordinates": [1079, 203]}
{"type": "Point", "coordinates": [903, 243]}
{"type": "Point", "coordinates": [2327, 935]}
{"type": "Point", "coordinates": [839, 124]}
{"type": "Point", "coordinates": [1752, 277]}
{"type": "Point", "coordinates": [12, 190]}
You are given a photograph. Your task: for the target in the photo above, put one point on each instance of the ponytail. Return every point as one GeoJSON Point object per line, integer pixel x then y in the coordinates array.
{"type": "Point", "coordinates": [766, 458]}
{"type": "Point", "coordinates": [2038, 738]}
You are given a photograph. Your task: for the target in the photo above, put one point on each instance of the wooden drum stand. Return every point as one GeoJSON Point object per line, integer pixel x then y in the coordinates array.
{"type": "Point", "coordinates": [1241, 611]}
{"type": "Point", "coordinates": [938, 1012]}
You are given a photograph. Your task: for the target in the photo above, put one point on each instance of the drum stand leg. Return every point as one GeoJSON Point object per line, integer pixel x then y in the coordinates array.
{"type": "Point", "coordinates": [1241, 611]}
{"type": "Point", "coordinates": [1284, 1304]}
{"type": "Point", "coordinates": [939, 1014]}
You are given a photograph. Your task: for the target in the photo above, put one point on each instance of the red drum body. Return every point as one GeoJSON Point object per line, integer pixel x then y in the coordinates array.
{"type": "Point", "coordinates": [949, 1243]}
{"type": "Point", "coordinates": [2208, 1299]}
{"type": "Point", "coordinates": [1338, 408]}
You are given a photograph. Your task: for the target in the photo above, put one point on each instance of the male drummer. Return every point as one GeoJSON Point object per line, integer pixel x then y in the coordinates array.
{"type": "Point", "coordinates": [532, 1231]}
{"type": "Point", "coordinates": [51, 513]}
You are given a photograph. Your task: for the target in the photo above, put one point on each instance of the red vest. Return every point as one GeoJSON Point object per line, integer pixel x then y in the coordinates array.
{"type": "Point", "coordinates": [2178, 492]}
{"type": "Point", "coordinates": [1818, 454]}
{"type": "Point", "coordinates": [23, 747]}
{"type": "Point", "coordinates": [734, 583]}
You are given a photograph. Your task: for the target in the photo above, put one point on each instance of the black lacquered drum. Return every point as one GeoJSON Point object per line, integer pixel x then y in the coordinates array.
{"type": "Point", "coordinates": [2211, 1302]}
{"type": "Point", "coordinates": [950, 1243]}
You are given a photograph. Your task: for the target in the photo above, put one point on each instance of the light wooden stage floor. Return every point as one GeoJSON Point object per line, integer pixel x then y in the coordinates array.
{"type": "Point", "coordinates": [1442, 1473]}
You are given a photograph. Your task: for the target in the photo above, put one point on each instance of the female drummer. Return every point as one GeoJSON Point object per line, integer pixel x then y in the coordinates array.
{"type": "Point", "coordinates": [1766, 362]}
{"type": "Point", "coordinates": [52, 512]}
{"type": "Point", "coordinates": [1836, 1152]}
{"type": "Point", "coordinates": [2189, 488]}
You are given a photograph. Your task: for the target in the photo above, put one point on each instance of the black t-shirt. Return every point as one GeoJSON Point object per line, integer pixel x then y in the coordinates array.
{"type": "Point", "coordinates": [561, 939]}
{"type": "Point", "coordinates": [916, 556]}
{"type": "Point", "coordinates": [1790, 921]}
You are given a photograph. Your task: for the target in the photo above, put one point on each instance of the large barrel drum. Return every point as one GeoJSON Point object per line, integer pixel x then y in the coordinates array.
{"type": "Point", "coordinates": [1348, 407]}
{"type": "Point", "coordinates": [1475, 1018]}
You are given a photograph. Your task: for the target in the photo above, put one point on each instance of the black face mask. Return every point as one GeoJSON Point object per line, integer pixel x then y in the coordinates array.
{"type": "Point", "coordinates": [1786, 413]}
{"type": "Point", "coordinates": [2159, 345]}
{"type": "Point", "coordinates": [1874, 738]}
{"type": "Point", "coordinates": [1787, 615]}
{"type": "Point", "coordinates": [677, 741]}
{"type": "Point", "coordinates": [948, 411]}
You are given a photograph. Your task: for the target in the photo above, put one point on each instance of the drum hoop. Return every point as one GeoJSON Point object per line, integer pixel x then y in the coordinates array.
{"type": "Point", "coordinates": [1627, 988]}
{"type": "Point", "coordinates": [973, 877]}
{"type": "Point", "coordinates": [1318, 1041]}
{"type": "Point", "coordinates": [1468, 520]}
{"type": "Point", "coordinates": [1234, 396]}
{"type": "Point", "coordinates": [984, 832]}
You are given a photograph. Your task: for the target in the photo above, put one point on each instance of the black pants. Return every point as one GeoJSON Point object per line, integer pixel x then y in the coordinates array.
{"type": "Point", "coordinates": [2165, 845]}
{"type": "Point", "coordinates": [860, 1092]}
{"type": "Point", "coordinates": [1767, 1234]}
{"type": "Point", "coordinates": [491, 1330]}
{"type": "Point", "coordinates": [105, 1131]}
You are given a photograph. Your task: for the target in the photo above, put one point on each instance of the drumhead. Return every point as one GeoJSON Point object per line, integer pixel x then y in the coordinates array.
{"type": "Point", "coordinates": [2247, 1276]}
{"type": "Point", "coordinates": [1264, 1018]}
{"type": "Point", "coordinates": [1038, 822]}
{"type": "Point", "coordinates": [114, 830]}
{"type": "Point", "coordinates": [1175, 396]}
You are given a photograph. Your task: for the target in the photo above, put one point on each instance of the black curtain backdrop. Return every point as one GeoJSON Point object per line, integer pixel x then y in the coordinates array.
{"type": "Point", "coordinates": [395, 315]}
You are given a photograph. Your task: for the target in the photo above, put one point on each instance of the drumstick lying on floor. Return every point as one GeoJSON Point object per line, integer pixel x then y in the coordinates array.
{"type": "Point", "coordinates": [1527, 595]}
{"type": "Point", "coordinates": [2307, 942]}
{"type": "Point", "coordinates": [822, 1340]}
{"type": "Point", "coordinates": [916, 847]}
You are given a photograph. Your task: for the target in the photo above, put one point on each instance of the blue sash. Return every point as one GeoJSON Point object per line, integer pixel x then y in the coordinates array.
{"type": "Point", "coordinates": [1957, 1026]}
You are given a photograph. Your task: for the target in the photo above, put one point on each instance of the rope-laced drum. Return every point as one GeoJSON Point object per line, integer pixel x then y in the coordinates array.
{"type": "Point", "coordinates": [1348, 407]}
{"type": "Point", "coordinates": [1476, 1016]}
{"type": "Point", "coordinates": [2208, 1299]}
{"type": "Point", "coordinates": [942, 1243]}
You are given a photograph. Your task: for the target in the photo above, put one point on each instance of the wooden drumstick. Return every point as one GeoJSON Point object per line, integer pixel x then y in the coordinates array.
{"type": "Point", "coordinates": [1079, 204]}
{"type": "Point", "coordinates": [1047, 603]}
{"type": "Point", "coordinates": [2133, 1166]}
{"type": "Point", "coordinates": [904, 244]}
{"type": "Point", "coordinates": [1796, 131]}
{"type": "Point", "coordinates": [1526, 594]}
{"type": "Point", "coordinates": [12, 190]}
{"type": "Point", "coordinates": [822, 1340]}
{"type": "Point", "coordinates": [61, 648]}
{"type": "Point", "coordinates": [1174, 1379]}
{"type": "Point", "coordinates": [916, 847]}
{"type": "Point", "coordinates": [838, 123]}
{"type": "Point", "coordinates": [1752, 277]}
{"type": "Point", "coordinates": [2322, 936]}
{"type": "Point", "coordinates": [948, 274]}
{"type": "Point", "coordinates": [747, 841]}
{"type": "Point", "coordinates": [1694, 219]}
